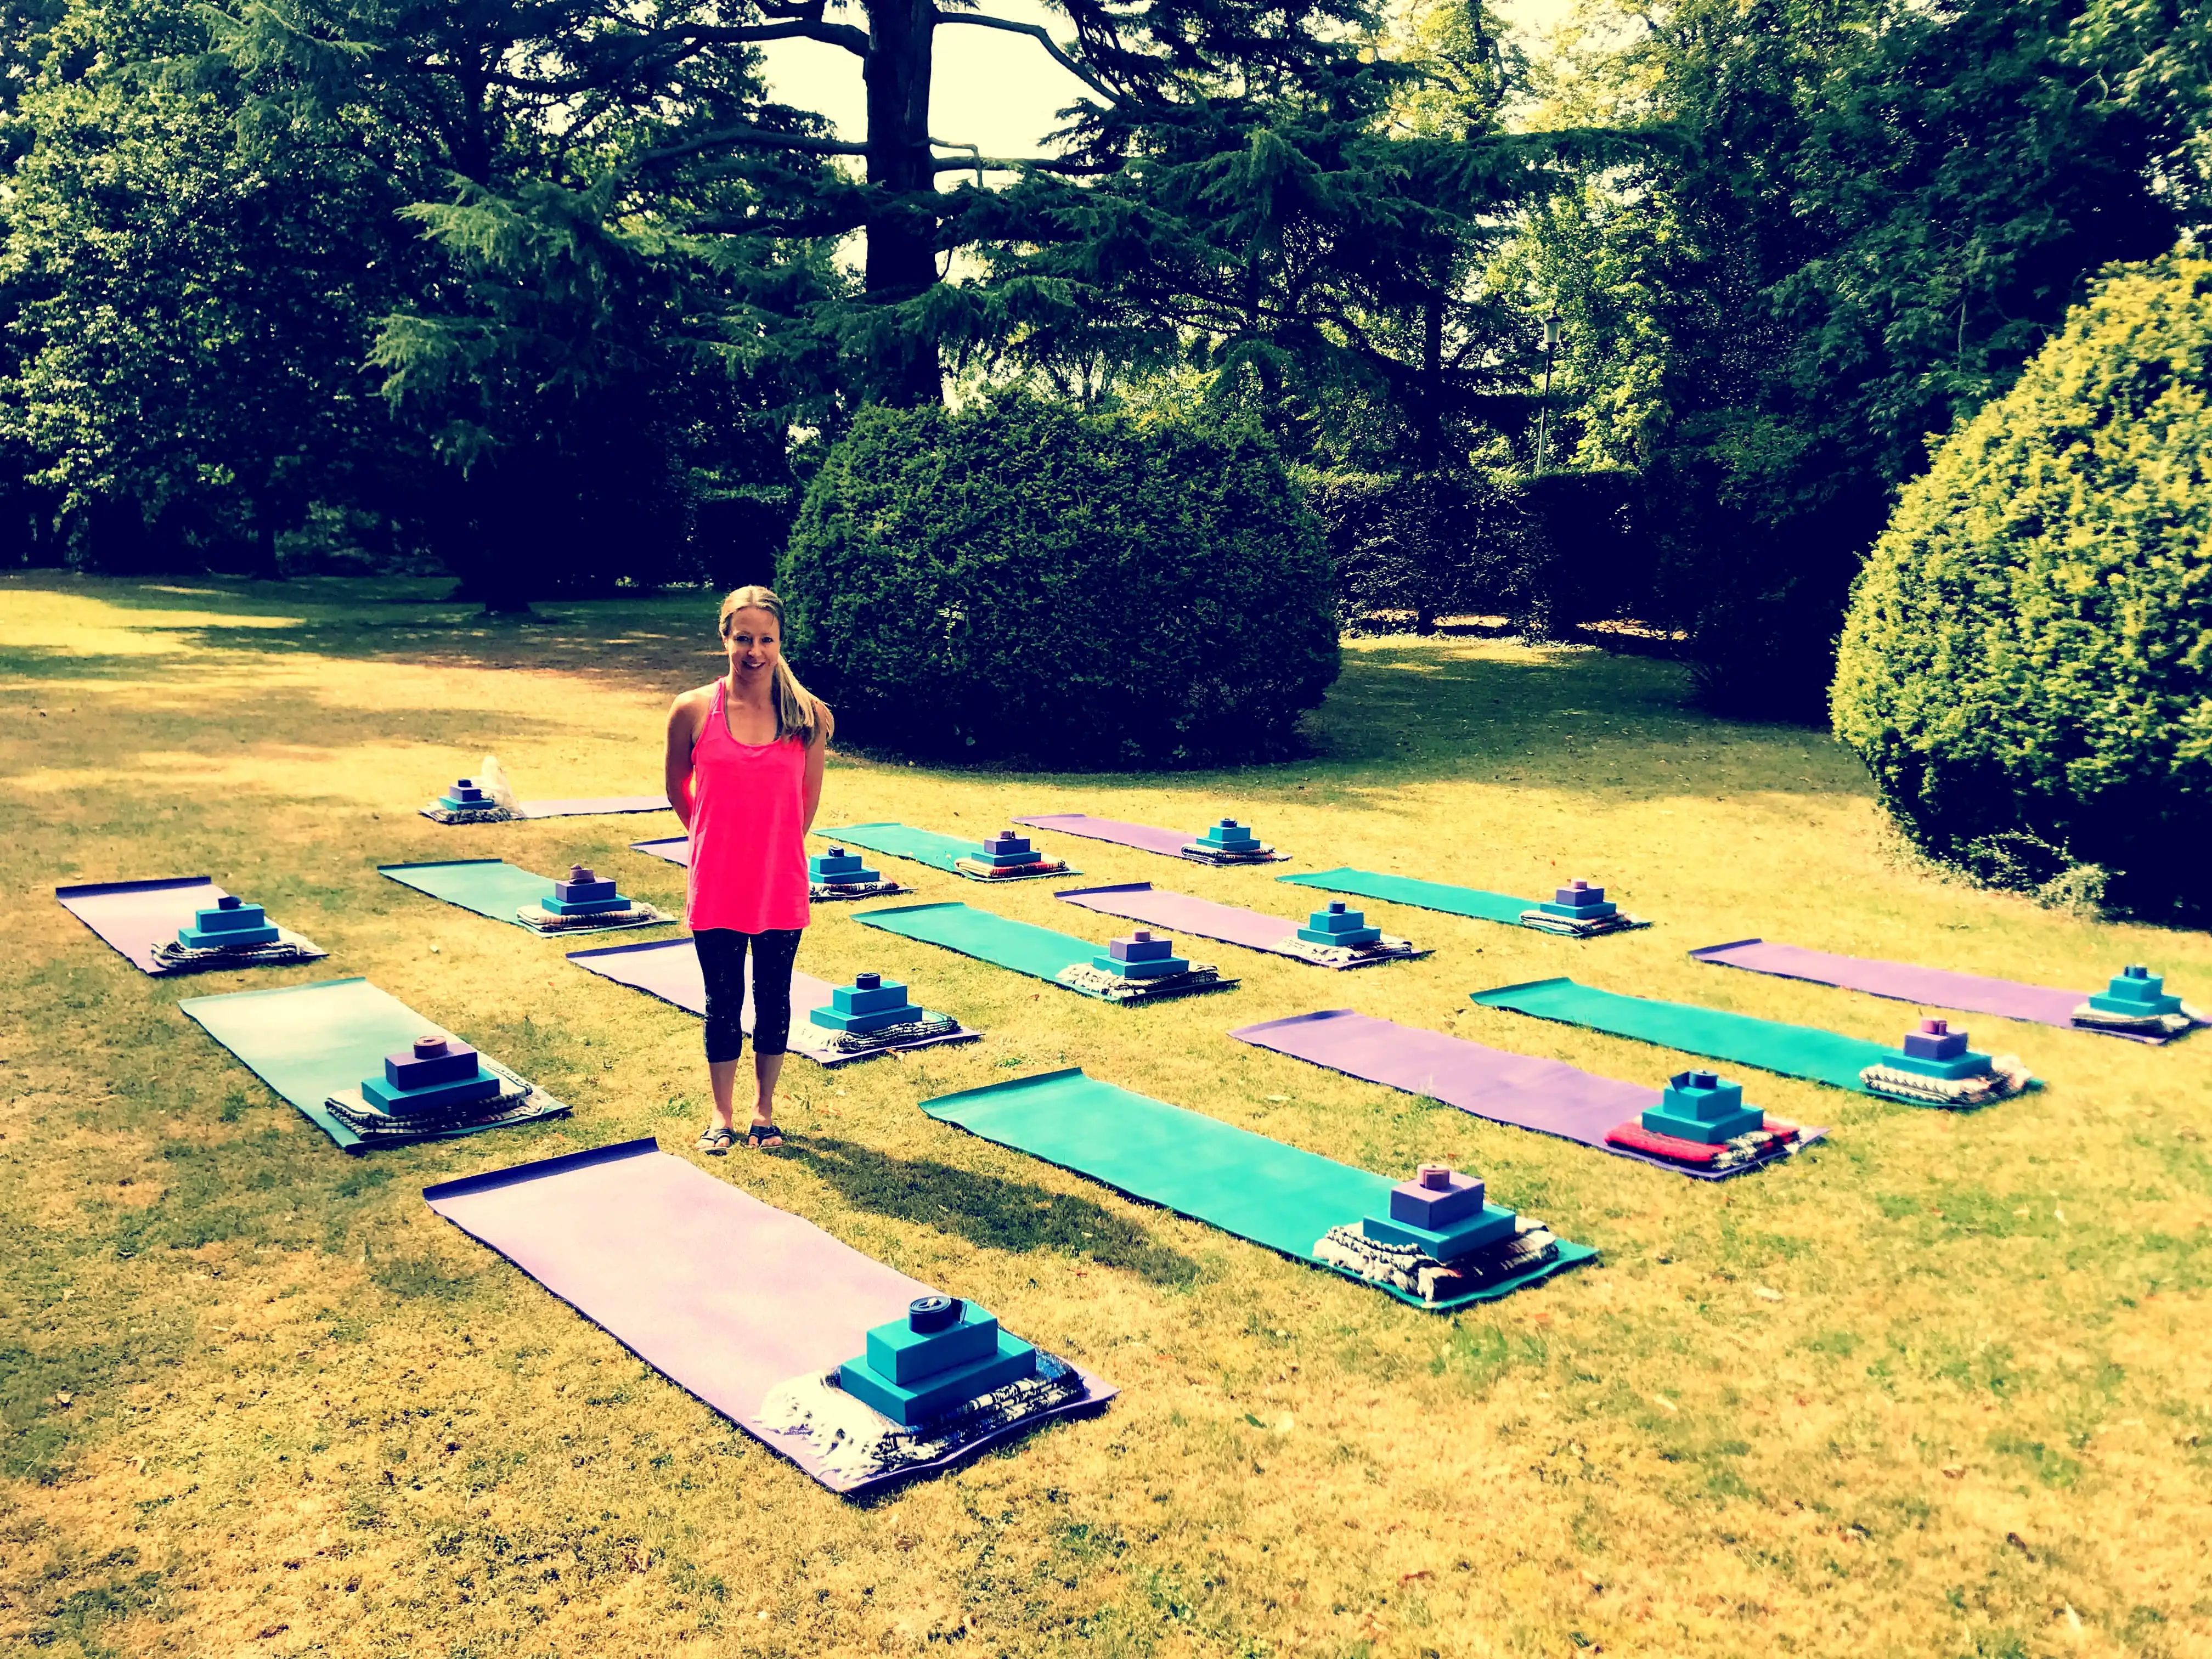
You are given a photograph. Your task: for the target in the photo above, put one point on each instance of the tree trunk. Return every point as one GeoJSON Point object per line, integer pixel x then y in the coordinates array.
{"type": "Point", "coordinates": [902, 261]}
{"type": "Point", "coordinates": [1429, 432]}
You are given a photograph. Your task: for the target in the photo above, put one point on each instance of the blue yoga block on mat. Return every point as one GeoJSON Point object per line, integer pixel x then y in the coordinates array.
{"type": "Point", "coordinates": [1150, 967]}
{"type": "Point", "coordinates": [1009, 860]}
{"type": "Point", "coordinates": [2135, 990]}
{"type": "Point", "coordinates": [1339, 924]}
{"type": "Point", "coordinates": [592, 907]}
{"type": "Point", "coordinates": [899, 1353]}
{"type": "Point", "coordinates": [1446, 1242]}
{"type": "Point", "coordinates": [940, 1392]}
{"type": "Point", "coordinates": [1229, 837]}
{"type": "Point", "coordinates": [229, 925]}
{"type": "Point", "coordinates": [1700, 1106]}
{"type": "Point", "coordinates": [466, 797]}
{"type": "Point", "coordinates": [404, 1102]}
{"type": "Point", "coordinates": [839, 867]}
{"type": "Point", "coordinates": [1969, 1064]}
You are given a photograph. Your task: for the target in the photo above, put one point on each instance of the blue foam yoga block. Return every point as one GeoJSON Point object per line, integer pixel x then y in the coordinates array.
{"type": "Point", "coordinates": [404, 1103]}
{"type": "Point", "coordinates": [1229, 837]}
{"type": "Point", "coordinates": [939, 1393]}
{"type": "Point", "coordinates": [1444, 1243]}
{"type": "Point", "coordinates": [2135, 990]}
{"type": "Point", "coordinates": [1700, 1106]}
{"type": "Point", "coordinates": [585, 907]}
{"type": "Point", "coordinates": [1150, 968]}
{"type": "Point", "coordinates": [899, 1353]}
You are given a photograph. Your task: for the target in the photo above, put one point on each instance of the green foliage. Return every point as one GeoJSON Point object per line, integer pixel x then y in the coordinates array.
{"type": "Point", "coordinates": [2025, 666]}
{"type": "Point", "coordinates": [1025, 583]}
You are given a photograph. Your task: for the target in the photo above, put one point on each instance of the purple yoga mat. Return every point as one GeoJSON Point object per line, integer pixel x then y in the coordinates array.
{"type": "Point", "coordinates": [1903, 982]}
{"type": "Point", "coordinates": [723, 1295]}
{"type": "Point", "coordinates": [1180, 912]}
{"type": "Point", "coordinates": [1153, 840]}
{"type": "Point", "coordinates": [602, 807]}
{"type": "Point", "coordinates": [669, 969]}
{"type": "Point", "coordinates": [1547, 1096]}
{"type": "Point", "coordinates": [676, 850]}
{"type": "Point", "coordinates": [134, 916]}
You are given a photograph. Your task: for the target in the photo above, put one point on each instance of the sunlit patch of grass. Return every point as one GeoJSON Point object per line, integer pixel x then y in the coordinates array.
{"type": "Point", "coordinates": [1937, 1387]}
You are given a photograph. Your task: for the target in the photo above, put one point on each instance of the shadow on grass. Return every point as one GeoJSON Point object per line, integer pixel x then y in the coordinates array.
{"type": "Point", "coordinates": [1015, 1216]}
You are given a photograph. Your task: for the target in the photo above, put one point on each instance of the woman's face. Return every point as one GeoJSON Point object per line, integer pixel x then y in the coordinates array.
{"type": "Point", "coordinates": [749, 636]}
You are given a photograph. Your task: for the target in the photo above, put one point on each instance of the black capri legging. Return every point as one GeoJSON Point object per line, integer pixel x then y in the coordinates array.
{"type": "Point", "coordinates": [722, 964]}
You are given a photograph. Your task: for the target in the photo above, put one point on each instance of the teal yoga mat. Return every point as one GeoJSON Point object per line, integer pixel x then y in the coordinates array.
{"type": "Point", "coordinates": [1424, 895]}
{"type": "Point", "coordinates": [1197, 1166]}
{"type": "Point", "coordinates": [902, 840]}
{"type": "Point", "coordinates": [490, 887]}
{"type": "Point", "coordinates": [310, 1042]}
{"type": "Point", "coordinates": [1016, 945]}
{"type": "Point", "coordinates": [1792, 1050]}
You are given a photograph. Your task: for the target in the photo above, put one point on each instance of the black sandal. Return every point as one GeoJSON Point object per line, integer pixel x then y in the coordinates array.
{"type": "Point", "coordinates": [717, 1141]}
{"type": "Point", "coordinates": [759, 1136]}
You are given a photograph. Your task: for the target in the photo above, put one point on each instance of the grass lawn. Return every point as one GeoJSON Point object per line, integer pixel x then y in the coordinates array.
{"type": "Point", "coordinates": [1942, 1386]}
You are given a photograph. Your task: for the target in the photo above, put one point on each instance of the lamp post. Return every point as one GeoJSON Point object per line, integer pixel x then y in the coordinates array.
{"type": "Point", "coordinates": [1544, 410]}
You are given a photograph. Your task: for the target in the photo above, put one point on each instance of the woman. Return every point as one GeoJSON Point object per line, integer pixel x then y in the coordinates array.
{"type": "Point", "coordinates": [744, 775]}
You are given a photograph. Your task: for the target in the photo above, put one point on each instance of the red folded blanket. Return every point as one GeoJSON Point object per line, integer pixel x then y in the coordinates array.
{"type": "Point", "coordinates": [1634, 1137]}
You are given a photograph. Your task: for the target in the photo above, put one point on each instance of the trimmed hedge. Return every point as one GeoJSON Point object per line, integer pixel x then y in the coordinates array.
{"type": "Point", "coordinates": [1023, 583]}
{"type": "Point", "coordinates": [2026, 668]}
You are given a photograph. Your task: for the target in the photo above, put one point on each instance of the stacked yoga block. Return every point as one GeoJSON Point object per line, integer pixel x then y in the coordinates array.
{"type": "Point", "coordinates": [1698, 1106]}
{"type": "Point", "coordinates": [839, 868]}
{"type": "Point", "coordinates": [1228, 839]}
{"type": "Point", "coordinates": [1442, 1214]}
{"type": "Point", "coordinates": [583, 894]}
{"type": "Point", "coordinates": [942, 1354]}
{"type": "Point", "coordinates": [465, 796]}
{"type": "Point", "coordinates": [1339, 925]}
{"type": "Point", "coordinates": [1143, 955]}
{"type": "Point", "coordinates": [1007, 853]}
{"type": "Point", "coordinates": [230, 924]}
{"type": "Point", "coordinates": [865, 1006]}
{"type": "Point", "coordinates": [2135, 993]}
{"type": "Point", "coordinates": [1936, 1051]}
{"type": "Point", "coordinates": [1579, 902]}
{"type": "Point", "coordinates": [436, 1075]}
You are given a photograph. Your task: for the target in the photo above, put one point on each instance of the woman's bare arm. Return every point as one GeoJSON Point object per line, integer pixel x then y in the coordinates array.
{"type": "Point", "coordinates": [817, 756]}
{"type": "Point", "coordinates": [676, 766]}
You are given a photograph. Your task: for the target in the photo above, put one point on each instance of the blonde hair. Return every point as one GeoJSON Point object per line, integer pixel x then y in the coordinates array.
{"type": "Point", "coordinates": [796, 710]}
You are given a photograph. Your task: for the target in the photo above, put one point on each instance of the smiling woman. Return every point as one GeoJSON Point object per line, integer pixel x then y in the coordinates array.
{"type": "Point", "coordinates": [743, 769]}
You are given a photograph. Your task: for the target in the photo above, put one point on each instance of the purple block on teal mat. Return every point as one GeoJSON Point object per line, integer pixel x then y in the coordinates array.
{"type": "Point", "coordinates": [1935, 1040]}
{"type": "Point", "coordinates": [640, 1243]}
{"type": "Point", "coordinates": [431, 1060]}
{"type": "Point", "coordinates": [1436, 1197]}
{"type": "Point", "coordinates": [1141, 946]}
{"type": "Point", "coordinates": [1547, 1096]}
{"type": "Point", "coordinates": [583, 885]}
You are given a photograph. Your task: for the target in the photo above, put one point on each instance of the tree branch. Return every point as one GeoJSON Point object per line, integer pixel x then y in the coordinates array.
{"type": "Point", "coordinates": [836, 34]}
{"type": "Point", "coordinates": [757, 137]}
{"type": "Point", "coordinates": [1038, 32]}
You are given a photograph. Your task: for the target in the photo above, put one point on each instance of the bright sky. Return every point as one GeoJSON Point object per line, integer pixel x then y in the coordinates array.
{"type": "Point", "coordinates": [991, 89]}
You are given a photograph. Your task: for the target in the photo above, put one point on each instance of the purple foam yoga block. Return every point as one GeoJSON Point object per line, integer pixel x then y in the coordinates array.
{"type": "Point", "coordinates": [1935, 1040]}
{"type": "Point", "coordinates": [1418, 1203]}
{"type": "Point", "coordinates": [1578, 893]}
{"type": "Point", "coordinates": [1141, 946]}
{"type": "Point", "coordinates": [433, 1059]}
{"type": "Point", "coordinates": [1004, 843]}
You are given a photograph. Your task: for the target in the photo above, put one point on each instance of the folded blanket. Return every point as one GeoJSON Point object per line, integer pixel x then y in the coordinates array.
{"type": "Point", "coordinates": [172, 958]}
{"type": "Point", "coordinates": [1619, 922]}
{"type": "Point", "coordinates": [490, 815]}
{"type": "Point", "coordinates": [1385, 949]}
{"type": "Point", "coordinates": [2173, 1025]}
{"type": "Point", "coordinates": [823, 892]}
{"type": "Point", "coordinates": [2008, 1076]}
{"type": "Point", "coordinates": [1776, 1137]}
{"type": "Point", "coordinates": [851, 1438]}
{"type": "Point", "coordinates": [983, 872]}
{"type": "Point", "coordinates": [1410, 1269]}
{"type": "Point", "coordinates": [931, 1025]}
{"type": "Point", "coordinates": [1198, 853]}
{"type": "Point", "coordinates": [516, 1100]}
{"type": "Point", "coordinates": [539, 920]}
{"type": "Point", "coordinates": [1097, 983]}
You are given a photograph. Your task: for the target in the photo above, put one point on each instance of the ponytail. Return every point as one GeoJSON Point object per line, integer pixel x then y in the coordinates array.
{"type": "Point", "coordinates": [797, 714]}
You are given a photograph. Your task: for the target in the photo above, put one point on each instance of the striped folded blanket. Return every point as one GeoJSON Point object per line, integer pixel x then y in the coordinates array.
{"type": "Point", "coordinates": [931, 1025]}
{"type": "Point", "coordinates": [1408, 1268]}
{"type": "Point", "coordinates": [1566, 927]}
{"type": "Point", "coordinates": [490, 815]}
{"type": "Point", "coordinates": [822, 891]}
{"type": "Point", "coordinates": [1385, 949]}
{"type": "Point", "coordinates": [173, 958]}
{"type": "Point", "coordinates": [2173, 1025]}
{"type": "Point", "coordinates": [1776, 1137]}
{"type": "Point", "coordinates": [540, 920]}
{"type": "Point", "coordinates": [1112, 987]}
{"type": "Point", "coordinates": [516, 1100]}
{"type": "Point", "coordinates": [2008, 1076]}
{"type": "Point", "coordinates": [983, 872]}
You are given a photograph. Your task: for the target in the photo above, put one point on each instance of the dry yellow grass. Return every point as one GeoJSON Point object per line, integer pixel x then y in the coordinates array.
{"type": "Point", "coordinates": [1938, 1388]}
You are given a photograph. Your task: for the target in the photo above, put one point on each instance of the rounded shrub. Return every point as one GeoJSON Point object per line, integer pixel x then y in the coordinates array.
{"type": "Point", "coordinates": [1025, 583]}
{"type": "Point", "coordinates": [2027, 668]}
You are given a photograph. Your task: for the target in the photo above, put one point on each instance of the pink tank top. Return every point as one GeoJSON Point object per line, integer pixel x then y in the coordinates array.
{"type": "Point", "coordinates": [748, 831]}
